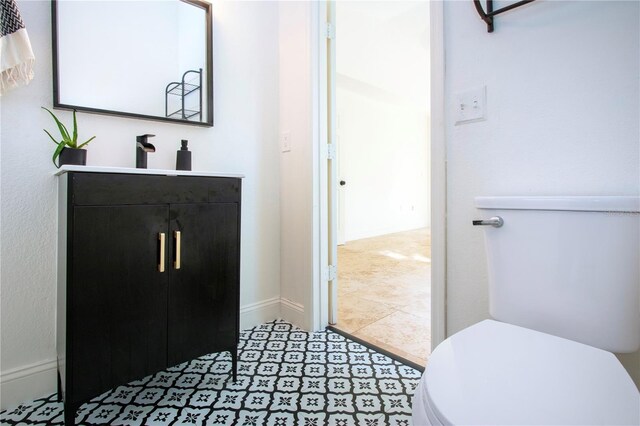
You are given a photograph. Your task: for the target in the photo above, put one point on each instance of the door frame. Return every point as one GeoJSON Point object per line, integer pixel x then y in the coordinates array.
{"type": "Point", "coordinates": [318, 314]}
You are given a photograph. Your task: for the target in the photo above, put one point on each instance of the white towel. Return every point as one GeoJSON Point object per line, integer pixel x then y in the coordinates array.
{"type": "Point", "coordinates": [16, 55]}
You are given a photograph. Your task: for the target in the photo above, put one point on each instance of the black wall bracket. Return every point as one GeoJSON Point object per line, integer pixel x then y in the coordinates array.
{"type": "Point", "coordinates": [490, 13]}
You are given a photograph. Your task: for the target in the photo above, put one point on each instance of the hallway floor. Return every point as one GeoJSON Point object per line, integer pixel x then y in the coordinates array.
{"type": "Point", "coordinates": [384, 292]}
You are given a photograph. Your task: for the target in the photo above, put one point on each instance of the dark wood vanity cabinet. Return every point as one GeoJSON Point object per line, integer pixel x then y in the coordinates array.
{"type": "Point", "coordinates": [148, 277]}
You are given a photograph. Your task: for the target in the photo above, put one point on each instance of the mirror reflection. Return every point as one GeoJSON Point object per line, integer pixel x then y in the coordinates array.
{"type": "Point", "coordinates": [146, 59]}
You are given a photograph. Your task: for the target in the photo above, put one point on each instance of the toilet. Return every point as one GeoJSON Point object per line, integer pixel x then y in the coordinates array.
{"type": "Point", "coordinates": [564, 278]}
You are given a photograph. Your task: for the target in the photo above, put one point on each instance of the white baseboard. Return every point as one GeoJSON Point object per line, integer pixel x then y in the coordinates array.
{"type": "Point", "coordinates": [292, 312]}
{"type": "Point", "coordinates": [260, 312]}
{"type": "Point", "coordinates": [28, 383]}
{"type": "Point", "coordinates": [40, 379]}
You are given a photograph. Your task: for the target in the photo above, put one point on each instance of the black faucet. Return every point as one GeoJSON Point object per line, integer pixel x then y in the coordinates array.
{"type": "Point", "coordinates": [142, 147]}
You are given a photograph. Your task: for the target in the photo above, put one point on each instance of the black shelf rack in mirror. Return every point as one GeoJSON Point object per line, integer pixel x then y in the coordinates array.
{"type": "Point", "coordinates": [181, 90]}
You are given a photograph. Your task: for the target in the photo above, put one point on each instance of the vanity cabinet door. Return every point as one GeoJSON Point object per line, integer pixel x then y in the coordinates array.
{"type": "Point", "coordinates": [203, 291]}
{"type": "Point", "coordinates": [118, 296]}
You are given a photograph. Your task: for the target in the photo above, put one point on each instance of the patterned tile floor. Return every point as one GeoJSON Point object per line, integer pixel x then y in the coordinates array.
{"type": "Point", "coordinates": [286, 376]}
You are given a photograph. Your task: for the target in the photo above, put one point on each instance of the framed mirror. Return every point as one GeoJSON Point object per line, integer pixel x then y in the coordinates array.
{"type": "Point", "coordinates": [141, 59]}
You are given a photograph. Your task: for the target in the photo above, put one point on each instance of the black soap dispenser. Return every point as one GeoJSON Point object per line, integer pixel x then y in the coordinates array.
{"type": "Point", "coordinates": [183, 159]}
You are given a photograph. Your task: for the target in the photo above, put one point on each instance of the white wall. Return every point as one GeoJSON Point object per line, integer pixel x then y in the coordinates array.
{"type": "Point", "coordinates": [383, 157]}
{"type": "Point", "coordinates": [382, 65]}
{"type": "Point", "coordinates": [563, 108]}
{"type": "Point", "coordinates": [296, 170]}
{"type": "Point", "coordinates": [244, 140]}
{"type": "Point", "coordinates": [385, 44]}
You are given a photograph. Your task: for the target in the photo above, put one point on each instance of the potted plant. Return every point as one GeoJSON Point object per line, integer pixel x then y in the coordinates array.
{"type": "Point", "coordinates": [68, 149]}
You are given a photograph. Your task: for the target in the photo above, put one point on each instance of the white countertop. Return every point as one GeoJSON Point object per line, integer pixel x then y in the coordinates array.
{"type": "Point", "coordinates": [129, 170]}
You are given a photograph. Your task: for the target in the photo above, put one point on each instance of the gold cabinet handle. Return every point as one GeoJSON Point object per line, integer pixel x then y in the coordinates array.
{"type": "Point", "coordinates": [161, 238]}
{"type": "Point", "coordinates": [178, 237]}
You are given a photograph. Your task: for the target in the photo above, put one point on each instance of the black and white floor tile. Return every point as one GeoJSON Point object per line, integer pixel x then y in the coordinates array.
{"type": "Point", "coordinates": [286, 376]}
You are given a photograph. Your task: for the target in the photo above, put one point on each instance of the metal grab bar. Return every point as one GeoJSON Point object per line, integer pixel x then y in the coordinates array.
{"type": "Point", "coordinates": [495, 221]}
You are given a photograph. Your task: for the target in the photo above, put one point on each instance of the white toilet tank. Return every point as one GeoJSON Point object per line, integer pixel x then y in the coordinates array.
{"type": "Point", "coordinates": [567, 266]}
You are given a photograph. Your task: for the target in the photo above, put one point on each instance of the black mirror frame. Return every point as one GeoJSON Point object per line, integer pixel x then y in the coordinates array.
{"type": "Point", "coordinates": [209, 76]}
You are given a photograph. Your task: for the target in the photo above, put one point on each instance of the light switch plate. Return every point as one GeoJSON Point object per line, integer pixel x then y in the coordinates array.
{"type": "Point", "coordinates": [470, 106]}
{"type": "Point", "coordinates": [285, 140]}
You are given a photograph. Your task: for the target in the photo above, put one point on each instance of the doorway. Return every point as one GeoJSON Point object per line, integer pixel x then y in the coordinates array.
{"type": "Point", "coordinates": [381, 91]}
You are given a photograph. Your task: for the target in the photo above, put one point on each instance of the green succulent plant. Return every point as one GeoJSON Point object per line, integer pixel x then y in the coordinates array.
{"type": "Point", "coordinates": [68, 139]}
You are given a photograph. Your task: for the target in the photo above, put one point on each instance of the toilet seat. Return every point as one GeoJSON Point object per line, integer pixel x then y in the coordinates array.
{"type": "Point", "coordinates": [498, 373]}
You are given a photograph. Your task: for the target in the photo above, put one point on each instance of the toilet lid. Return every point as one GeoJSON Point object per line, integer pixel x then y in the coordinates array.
{"type": "Point", "coordinates": [497, 373]}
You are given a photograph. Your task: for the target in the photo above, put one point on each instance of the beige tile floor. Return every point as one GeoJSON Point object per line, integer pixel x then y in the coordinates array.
{"type": "Point", "coordinates": [384, 292]}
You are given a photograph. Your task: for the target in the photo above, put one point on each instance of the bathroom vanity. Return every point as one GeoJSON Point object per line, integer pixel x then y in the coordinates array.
{"type": "Point", "coordinates": [148, 274]}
